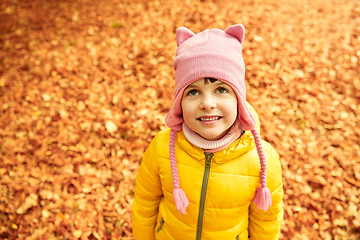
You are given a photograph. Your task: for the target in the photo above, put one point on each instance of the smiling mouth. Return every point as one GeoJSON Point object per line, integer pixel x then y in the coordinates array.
{"type": "Point", "coordinates": [208, 118]}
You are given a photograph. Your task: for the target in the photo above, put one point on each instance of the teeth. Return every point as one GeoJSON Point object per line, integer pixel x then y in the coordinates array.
{"type": "Point", "coordinates": [209, 119]}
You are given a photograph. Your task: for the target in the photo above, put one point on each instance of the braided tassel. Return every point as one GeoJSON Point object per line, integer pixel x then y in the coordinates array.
{"type": "Point", "coordinates": [181, 201]}
{"type": "Point", "coordinates": [262, 197]}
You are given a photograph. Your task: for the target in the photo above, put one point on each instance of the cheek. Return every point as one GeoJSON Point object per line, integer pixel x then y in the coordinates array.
{"type": "Point", "coordinates": [186, 110]}
{"type": "Point", "coordinates": [232, 110]}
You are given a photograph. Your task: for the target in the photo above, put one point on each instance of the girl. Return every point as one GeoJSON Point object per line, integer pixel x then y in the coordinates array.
{"type": "Point", "coordinates": [209, 175]}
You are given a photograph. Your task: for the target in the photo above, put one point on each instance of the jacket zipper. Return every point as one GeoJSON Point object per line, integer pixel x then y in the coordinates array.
{"type": "Point", "coordinates": [208, 157]}
{"type": "Point", "coordinates": [160, 225]}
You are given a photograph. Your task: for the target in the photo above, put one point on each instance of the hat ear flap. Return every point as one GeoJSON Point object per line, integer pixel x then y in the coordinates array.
{"type": "Point", "coordinates": [237, 31]}
{"type": "Point", "coordinates": [182, 34]}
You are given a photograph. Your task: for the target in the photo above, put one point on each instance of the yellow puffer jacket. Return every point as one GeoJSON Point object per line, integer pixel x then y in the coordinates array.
{"type": "Point", "coordinates": [220, 188]}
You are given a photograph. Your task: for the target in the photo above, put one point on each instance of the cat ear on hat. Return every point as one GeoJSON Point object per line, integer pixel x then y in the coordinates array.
{"type": "Point", "coordinates": [182, 34]}
{"type": "Point", "coordinates": [237, 31]}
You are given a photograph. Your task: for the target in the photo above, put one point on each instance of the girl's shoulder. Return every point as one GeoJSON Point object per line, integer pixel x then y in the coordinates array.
{"type": "Point", "coordinates": [161, 137]}
{"type": "Point", "coordinates": [164, 132]}
{"type": "Point", "coordinates": [159, 145]}
{"type": "Point", "coordinates": [269, 149]}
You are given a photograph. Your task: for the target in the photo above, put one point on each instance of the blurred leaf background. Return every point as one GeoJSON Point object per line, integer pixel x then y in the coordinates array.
{"type": "Point", "coordinates": [85, 85]}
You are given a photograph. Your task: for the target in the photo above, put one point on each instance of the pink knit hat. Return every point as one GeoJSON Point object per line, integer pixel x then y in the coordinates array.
{"type": "Point", "coordinates": [212, 54]}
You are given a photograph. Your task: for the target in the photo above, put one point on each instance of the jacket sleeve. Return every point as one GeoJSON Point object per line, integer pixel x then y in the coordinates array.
{"type": "Point", "coordinates": [267, 225]}
{"type": "Point", "coordinates": [148, 193]}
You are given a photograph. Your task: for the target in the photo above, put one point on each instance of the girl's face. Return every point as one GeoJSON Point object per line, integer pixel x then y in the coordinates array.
{"type": "Point", "coordinates": [209, 108]}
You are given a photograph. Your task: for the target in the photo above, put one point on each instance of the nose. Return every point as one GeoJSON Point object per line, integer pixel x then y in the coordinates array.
{"type": "Point", "coordinates": [208, 102]}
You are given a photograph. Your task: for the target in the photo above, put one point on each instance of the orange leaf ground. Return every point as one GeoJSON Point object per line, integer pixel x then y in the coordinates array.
{"type": "Point", "coordinates": [85, 85]}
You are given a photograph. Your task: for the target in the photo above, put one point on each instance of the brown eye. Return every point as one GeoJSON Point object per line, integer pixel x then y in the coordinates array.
{"type": "Point", "coordinates": [193, 92]}
{"type": "Point", "coordinates": [221, 90]}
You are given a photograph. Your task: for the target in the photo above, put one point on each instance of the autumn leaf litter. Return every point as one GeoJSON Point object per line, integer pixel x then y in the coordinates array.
{"type": "Point", "coordinates": [85, 86]}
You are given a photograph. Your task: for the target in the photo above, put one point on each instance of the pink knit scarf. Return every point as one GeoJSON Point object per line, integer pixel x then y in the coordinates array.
{"type": "Point", "coordinates": [211, 146]}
